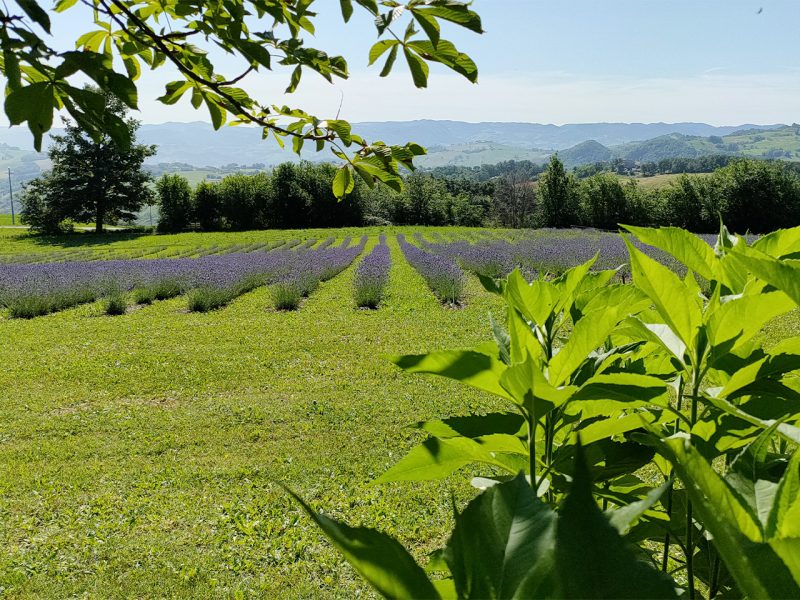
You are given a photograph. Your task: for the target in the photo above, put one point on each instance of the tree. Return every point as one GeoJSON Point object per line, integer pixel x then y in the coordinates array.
{"type": "Point", "coordinates": [128, 33]}
{"type": "Point", "coordinates": [605, 201]}
{"type": "Point", "coordinates": [559, 195]}
{"type": "Point", "coordinates": [96, 180]}
{"type": "Point", "coordinates": [514, 200]}
{"type": "Point", "coordinates": [175, 202]}
{"type": "Point", "coordinates": [758, 196]}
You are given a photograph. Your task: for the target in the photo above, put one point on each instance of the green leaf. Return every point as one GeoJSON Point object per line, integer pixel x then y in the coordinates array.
{"type": "Point", "coordinates": [738, 537]}
{"type": "Point", "coordinates": [469, 367]}
{"type": "Point", "coordinates": [784, 243]}
{"type": "Point", "coordinates": [672, 298]}
{"type": "Point", "coordinates": [455, 12]}
{"type": "Point", "coordinates": [503, 543]}
{"type": "Point", "coordinates": [624, 517]}
{"type": "Point", "coordinates": [592, 560]}
{"type": "Point", "coordinates": [343, 182]}
{"type": "Point", "coordinates": [347, 9]}
{"type": "Point", "coordinates": [473, 426]}
{"type": "Point", "coordinates": [390, 60]}
{"type": "Point", "coordinates": [295, 80]}
{"type": "Point", "coordinates": [32, 103]}
{"type": "Point", "coordinates": [535, 301]}
{"type": "Point", "coordinates": [379, 48]}
{"type": "Point", "coordinates": [378, 558]}
{"type": "Point", "coordinates": [588, 334]}
{"type": "Point", "coordinates": [744, 317]}
{"type": "Point", "coordinates": [36, 13]}
{"type": "Point", "coordinates": [446, 53]}
{"type": "Point", "coordinates": [526, 384]}
{"type": "Point", "coordinates": [63, 5]}
{"type": "Point", "coordinates": [438, 458]}
{"type": "Point", "coordinates": [216, 111]}
{"type": "Point", "coordinates": [686, 247]}
{"type": "Point", "coordinates": [784, 518]}
{"type": "Point", "coordinates": [174, 91]}
{"type": "Point", "coordinates": [429, 25]}
{"type": "Point", "coordinates": [418, 67]}
{"type": "Point", "coordinates": [502, 339]}
{"type": "Point", "coordinates": [778, 273]}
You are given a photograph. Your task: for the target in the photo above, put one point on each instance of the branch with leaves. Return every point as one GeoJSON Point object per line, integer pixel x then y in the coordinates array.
{"type": "Point", "coordinates": [265, 35]}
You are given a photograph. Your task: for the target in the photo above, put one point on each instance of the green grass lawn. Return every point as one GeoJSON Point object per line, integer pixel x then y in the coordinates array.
{"type": "Point", "coordinates": [6, 220]}
{"type": "Point", "coordinates": [142, 455]}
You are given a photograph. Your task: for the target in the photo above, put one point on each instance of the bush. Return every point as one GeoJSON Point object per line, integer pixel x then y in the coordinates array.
{"type": "Point", "coordinates": [162, 290]}
{"type": "Point", "coordinates": [115, 304]}
{"type": "Point", "coordinates": [205, 299]}
{"type": "Point", "coordinates": [286, 295]}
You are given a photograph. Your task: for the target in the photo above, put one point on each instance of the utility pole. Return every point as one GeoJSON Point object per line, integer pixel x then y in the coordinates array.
{"type": "Point", "coordinates": [11, 195]}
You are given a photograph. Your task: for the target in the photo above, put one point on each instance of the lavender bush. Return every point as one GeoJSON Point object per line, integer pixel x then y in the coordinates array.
{"type": "Point", "coordinates": [443, 276]}
{"type": "Point", "coordinates": [372, 276]}
{"type": "Point", "coordinates": [309, 269]}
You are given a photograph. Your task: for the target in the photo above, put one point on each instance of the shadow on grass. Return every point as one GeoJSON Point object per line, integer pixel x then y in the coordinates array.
{"type": "Point", "coordinates": [79, 239]}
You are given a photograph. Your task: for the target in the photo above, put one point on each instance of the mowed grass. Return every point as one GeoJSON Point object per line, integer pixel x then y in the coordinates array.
{"type": "Point", "coordinates": [141, 455]}
{"type": "Point", "coordinates": [6, 220]}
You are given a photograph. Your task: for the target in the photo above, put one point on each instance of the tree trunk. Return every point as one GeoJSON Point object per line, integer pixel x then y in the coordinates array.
{"type": "Point", "coordinates": [98, 228]}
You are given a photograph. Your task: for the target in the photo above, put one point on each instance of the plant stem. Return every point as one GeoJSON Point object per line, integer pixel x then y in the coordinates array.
{"type": "Point", "coordinates": [689, 524]}
{"type": "Point", "coordinates": [713, 588]}
{"type": "Point", "coordinates": [532, 451]}
{"type": "Point", "coordinates": [665, 558]}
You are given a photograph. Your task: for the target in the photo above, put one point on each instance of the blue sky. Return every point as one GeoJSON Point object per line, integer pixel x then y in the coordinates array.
{"type": "Point", "coordinates": [562, 61]}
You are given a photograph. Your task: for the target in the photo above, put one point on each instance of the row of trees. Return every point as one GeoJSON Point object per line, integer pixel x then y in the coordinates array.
{"type": "Point", "coordinates": [749, 195]}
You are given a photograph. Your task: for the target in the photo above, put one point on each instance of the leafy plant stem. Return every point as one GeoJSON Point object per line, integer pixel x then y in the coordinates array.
{"type": "Point", "coordinates": [712, 590]}
{"type": "Point", "coordinates": [532, 449]}
{"type": "Point", "coordinates": [665, 558]}
{"type": "Point", "coordinates": [689, 523]}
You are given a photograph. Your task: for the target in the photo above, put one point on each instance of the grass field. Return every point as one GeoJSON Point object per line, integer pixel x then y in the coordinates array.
{"type": "Point", "coordinates": [142, 455]}
{"type": "Point", "coordinates": [144, 452]}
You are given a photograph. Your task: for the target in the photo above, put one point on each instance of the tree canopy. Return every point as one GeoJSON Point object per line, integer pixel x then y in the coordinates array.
{"type": "Point", "coordinates": [96, 180]}
{"type": "Point", "coordinates": [264, 35]}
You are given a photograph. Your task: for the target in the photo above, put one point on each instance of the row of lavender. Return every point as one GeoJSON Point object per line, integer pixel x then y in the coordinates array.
{"type": "Point", "coordinates": [211, 281]}
{"type": "Point", "coordinates": [372, 275]}
{"type": "Point", "coordinates": [153, 252]}
{"type": "Point", "coordinates": [440, 272]}
{"type": "Point", "coordinates": [545, 251]}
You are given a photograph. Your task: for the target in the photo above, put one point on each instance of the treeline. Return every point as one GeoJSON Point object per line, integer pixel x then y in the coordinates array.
{"type": "Point", "coordinates": [749, 195]}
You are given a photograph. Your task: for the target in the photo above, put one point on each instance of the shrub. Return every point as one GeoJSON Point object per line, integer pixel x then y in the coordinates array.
{"type": "Point", "coordinates": [115, 304]}
{"type": "Point", "coordinates": [286, 295]}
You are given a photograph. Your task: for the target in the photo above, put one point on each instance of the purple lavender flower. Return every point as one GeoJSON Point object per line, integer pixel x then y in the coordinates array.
{"type": "Point", "coordinates": [372, 276]}
{"type": "Point", "coordinates": [443, 276]}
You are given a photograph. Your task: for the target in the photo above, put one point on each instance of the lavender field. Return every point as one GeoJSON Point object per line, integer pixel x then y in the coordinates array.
{"type": "Point", "coordinates": [145, 450]}
{"type": "Point", "coordinates": [213, 276]}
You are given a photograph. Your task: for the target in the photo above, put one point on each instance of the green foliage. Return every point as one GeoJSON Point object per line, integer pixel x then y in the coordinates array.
{"type": "Point", "coordinates": [610, 384]}
{"type": "Point", "coordinates": [98, 180]}
{"type": "Point", "coordinates": [175, 207]}
{"type": "Point", "coordinates": [125, 37]}
{"type": "Point", "coordinates": [559, 195]}
{"type": "Point", "coordinates": [115, 304]}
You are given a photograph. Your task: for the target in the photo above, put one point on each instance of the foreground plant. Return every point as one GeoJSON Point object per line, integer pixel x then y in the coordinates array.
{"type": "Point", "coordinates": [608, 385]}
